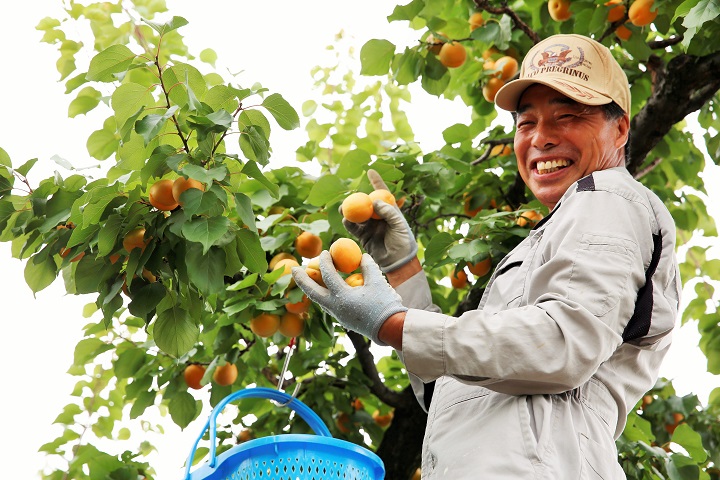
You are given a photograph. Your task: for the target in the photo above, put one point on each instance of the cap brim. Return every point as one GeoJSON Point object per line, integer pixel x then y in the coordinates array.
{"type": "Point", "coordinates": [509, 94]}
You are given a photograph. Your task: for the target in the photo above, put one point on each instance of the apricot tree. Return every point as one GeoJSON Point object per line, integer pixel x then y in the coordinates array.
{"type": "Point", "coordinates": [184, 287]}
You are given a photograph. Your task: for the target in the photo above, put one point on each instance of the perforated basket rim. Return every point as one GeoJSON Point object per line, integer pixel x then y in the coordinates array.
{"type": "Point", "coordinates": [325, 448]}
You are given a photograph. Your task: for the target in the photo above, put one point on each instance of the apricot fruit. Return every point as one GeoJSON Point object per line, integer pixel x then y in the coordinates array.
{"type": "Point", "coordinates": [355, 280]}
{"type": "Point", "coordinates": [476, 20]}
{"type": "Point", "coordinates": [385, 196]}
{"type": "Point", "coordinates": [299, 307]}
{"type": "Point", "coordinates": [616, 11]}
{"type": "Point", "coordinates": [490, 89]}
{"type": "Point", "coordinates": [315, 275]}
{"type": "Point", "coordinates": [225, 375]}
{"type": "Point", "coordinates": [193, 373]}
{"type": "Point", "coordinates": [346, 254]}
{"type": "Point", "coordinates": [287, 265]}
{"type": "Point", "coordinates": [623, 33]}
{"type": "Point", "coordinates": [291, 325]}
{"type": "Point", "coordinates": [559, 10]}
{"type": "Point", "coordinates": [135, 238]}
{"type": "Point", "coordinates": [459, 279]}
{"type": "Point", "coordinates": [382, 420]}
{"type": "Point", "coordinates": [453, 54]}
{"type": "Point", "coordinates": [530, 218]}
{"type": "Point", "coordinates": [308, 245]}
{"type": "Point", "coordinates": [265, 325]}
{"type": "Point", "coordinates": [357, 207]}
{"type": "Point", "coordinates": [481, 268]}
{"type": "Point", "coordinates": [64, 252]}
{"type": "Point", "coordinates": [507, 66]}
{"type": "Point", "coordinates": [181, 184]}
{"type": "Point", "coordinates": [161, 195]}
{"type": "Point", "coordinates": [640, 13]}
{"type": "Point", "coordinates": [280, 256]}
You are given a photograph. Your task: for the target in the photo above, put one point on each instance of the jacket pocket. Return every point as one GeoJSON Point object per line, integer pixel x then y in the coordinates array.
{"type": "Point", "coordinates": [600, 272]}
{"type": "Point", "coordinates": [596, 460]}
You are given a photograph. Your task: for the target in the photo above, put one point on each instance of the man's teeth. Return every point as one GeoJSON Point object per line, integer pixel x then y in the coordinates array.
{"type": "Point", "coordinates": [551, 166]}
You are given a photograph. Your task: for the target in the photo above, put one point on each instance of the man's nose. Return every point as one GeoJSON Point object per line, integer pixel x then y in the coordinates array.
{"type": "Point", "coordinates": [546, 135]}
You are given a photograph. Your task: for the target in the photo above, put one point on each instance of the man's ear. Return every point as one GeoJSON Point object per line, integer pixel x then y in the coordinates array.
{"type": "Point", "coordinates": [623, 131]}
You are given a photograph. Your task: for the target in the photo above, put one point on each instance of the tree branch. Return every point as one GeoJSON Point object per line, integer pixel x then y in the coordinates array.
{"type": "Point", "coordinates": [681, 87]}
{"type": "Point", "coordinates": [367, 362]}
{"type": "Point", "coordinates": [504, 9]}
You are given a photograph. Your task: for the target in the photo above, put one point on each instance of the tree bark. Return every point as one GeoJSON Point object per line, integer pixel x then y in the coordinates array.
{"type": "Point", "coordinates": [681, 87]}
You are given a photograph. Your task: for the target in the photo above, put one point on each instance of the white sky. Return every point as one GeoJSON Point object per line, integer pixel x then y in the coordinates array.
{"type": "Point", "coordinates": [276, 43]}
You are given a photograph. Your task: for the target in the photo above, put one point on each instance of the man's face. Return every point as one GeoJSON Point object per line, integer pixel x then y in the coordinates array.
{"type": "Point", "coordinates": [559, 141]}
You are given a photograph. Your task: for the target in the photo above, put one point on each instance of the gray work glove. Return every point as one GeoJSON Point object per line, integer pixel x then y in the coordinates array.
{"type": "Point", "coordinates": [361, 309]}
{"type": "Point", "coordinates": [388, 240]}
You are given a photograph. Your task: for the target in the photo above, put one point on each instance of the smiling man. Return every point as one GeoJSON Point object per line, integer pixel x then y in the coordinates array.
{"type": "Point", "coordinates": [536, 382]}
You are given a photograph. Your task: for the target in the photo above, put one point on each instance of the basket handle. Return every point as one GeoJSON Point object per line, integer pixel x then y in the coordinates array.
{"type": "Point", "coordinates": [305, 412]}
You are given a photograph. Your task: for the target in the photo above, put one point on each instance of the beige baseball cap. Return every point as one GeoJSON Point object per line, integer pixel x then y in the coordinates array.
{"type": "Point", "coordinates": [574, 65]}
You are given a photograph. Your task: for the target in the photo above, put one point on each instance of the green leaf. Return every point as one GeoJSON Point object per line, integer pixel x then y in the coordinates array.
{"type": "Point", "coordinates": [41, 274]}
{"type": "Point", "coordinates": [691, 441]}
{"type": "Point", "coordinates": [174, 331]}
{"type": "Point", "coordinates": [206, 230]}
{"type": "Point", "coordinates": [252, 170]}
{"type": "Point", "coordinates": [255, 145]}
{"type": "Point", "coordinates": [407, 67]}
{"type": "Point", "coordinates": [164, 28]}
{"type": "Point", "coordinates": [327, 188]}
{"type": "Point", "coordinates": [406, 12]}
{"type": "Point", "coordinates": [129, 362]}
{"type": "Point", "coordinates": [87, 99]}
{"type": "Point", "coordinates": [150, 125]}
{"type": "Point", "coordinates": [206, 271]}
{"type": "Point", "coordinates": [129, 99]}
{"type": "Point", "coordinates": [108, 235]}
{"type": "Point", "coordinates": [437, 248]}
{"type": "Point", "coordinates": [375, 57]}
{"type": "Point", "coordinates": [250, 251]}
{"type": "Point", "coordinates": [113, 60]}
{"type": "Point", "coordinates": [89, 348]}
{"type": "Point", "coordinates": [206, 176]}
{"type": "Point", "coordinates": [681, 467]}
{"type": "Point", "coordinates": [244, 209]}
{"type": "Point", "coordinates": [246, 282]}
{"type": "Point", "coordinates": [353, 164]}
{"type": "Point", "coordinates": [184, 409]}
{"type": "Point", "coordinates": [456, 134]}
{"type": "Point", "coordinates": [146, 299]}
{"type": "Point", "coordinates": [704, 11]}
{"type": "Point", "coordinates": [280, 109]}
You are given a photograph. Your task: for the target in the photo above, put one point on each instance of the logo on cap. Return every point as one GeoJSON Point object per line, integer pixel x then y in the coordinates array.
{"type": "Point", "coordinates": [558, 58]}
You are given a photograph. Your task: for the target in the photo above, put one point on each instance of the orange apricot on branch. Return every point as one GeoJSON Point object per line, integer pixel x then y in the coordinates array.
{"type": "Point", "coordinates": [559, 10]}
{"type": "Point", "coordinates": [161, 195]}
{"type": "Point", "coordinates": [623, 33]}
{"type": "Point", "coordinates": [299, 307]}
{"type": "Point", "coordinates": [480, 268]}
{"type": "Point", "coordinates": [225, 375]}
{"type": "Point", "coordinates": [616, 11]}
{"type": "Point", "coordinates": [507, 67]}
{"type": "Point", "coordinates": [192, 374]}
{"type": "Point", "coordinates": [308, 245]}
{"type": "Point", "coordinates": [530, 218]}
{"type": "Point", "coordinates": [291, 325]}
{"type": "Point", "coordinates": [459, 279]}
{"type": "Point", "coordinates": [280, 256]}
{"type": "Point", "coordinates": [265, 325]}
{"type": "Point", "coordinates": [476, 20]}
{"type": "Point", "coordinates": [453, 54]}
{"type": "Point", "coordinates": [181, 184]}
{"type": "Point", "coordinates": [346, 254]}
{"type": "Point", "coordinates": [491, 88]}
{"type": "Point", "coordinates": [641, 13]}
{"type": "Point", "coordinates": [135, 238]}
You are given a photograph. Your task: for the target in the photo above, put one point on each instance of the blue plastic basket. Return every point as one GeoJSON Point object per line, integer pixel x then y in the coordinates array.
{"type": "Point", "coordinates": [285, 457]}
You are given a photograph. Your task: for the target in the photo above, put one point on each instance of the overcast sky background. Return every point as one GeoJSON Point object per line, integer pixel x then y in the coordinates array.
{"type": "Point", "coordinates": [275, 43]}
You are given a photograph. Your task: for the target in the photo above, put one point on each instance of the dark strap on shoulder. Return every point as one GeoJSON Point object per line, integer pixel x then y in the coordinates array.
{"type": "Point", "coordinates": [639, 324]}
{"type": "Point", "coordinates": [586, 184]}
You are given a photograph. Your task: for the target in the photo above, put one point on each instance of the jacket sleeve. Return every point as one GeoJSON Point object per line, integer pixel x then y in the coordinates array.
{"type": "Point", "coordinates": [566, 312]}
{"type": "Point", "coordinates": [415, 293]}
